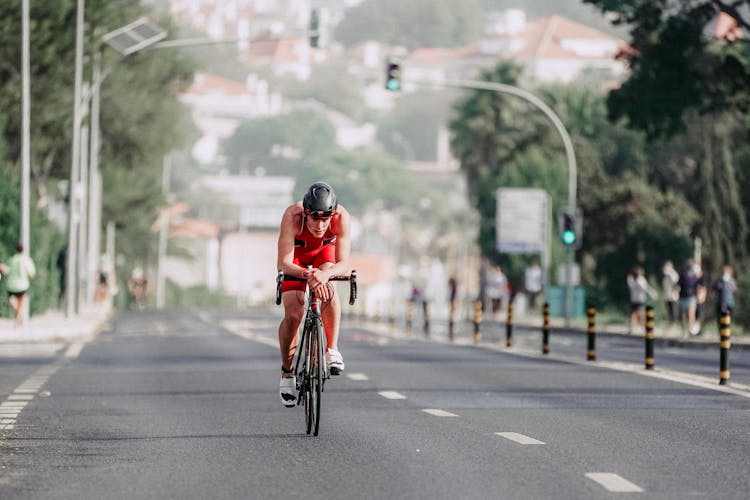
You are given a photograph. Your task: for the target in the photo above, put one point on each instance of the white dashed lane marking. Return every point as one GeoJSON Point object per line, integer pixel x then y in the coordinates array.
{"type": "Point", "coordinates": [519, 438]}
{"type": "Point", "coordinates": [357, 376]}
{"type": "Point", "coordinates": [439, 413]}
{"type": "Point", "coordinates": [613, 482]}
{"type": "Point", "coordinates": [392, 395]}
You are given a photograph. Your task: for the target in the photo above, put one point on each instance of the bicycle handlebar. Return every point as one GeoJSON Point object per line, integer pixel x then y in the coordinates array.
{"type": "Point", "coordinates": [352, 279]}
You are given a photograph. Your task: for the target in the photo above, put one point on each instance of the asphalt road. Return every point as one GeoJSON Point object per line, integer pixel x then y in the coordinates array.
{"type": "Point", "coordinates": [184, 404]}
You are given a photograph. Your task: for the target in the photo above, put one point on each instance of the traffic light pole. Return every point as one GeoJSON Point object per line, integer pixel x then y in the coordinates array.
{"type": "Point", "coordinates": [569, 153]}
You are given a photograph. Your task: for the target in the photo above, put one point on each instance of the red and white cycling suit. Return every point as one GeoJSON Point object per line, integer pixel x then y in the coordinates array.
{"type": "Point", "coordinates": [311, 251]}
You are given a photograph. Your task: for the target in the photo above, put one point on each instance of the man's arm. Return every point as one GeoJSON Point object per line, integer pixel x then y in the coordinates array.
{"type": "Point", "coordinates": [285, 259]}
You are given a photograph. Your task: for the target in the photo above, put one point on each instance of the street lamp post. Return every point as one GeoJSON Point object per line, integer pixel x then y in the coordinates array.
{"type": "Point", "coordinates": [127, 40]}
{"type": "Point", "coordinates": [72, 250]}
{"type": "Point", "coordinates": [25, 141]}
{"type": "Point", "coordinates": [569, 153]}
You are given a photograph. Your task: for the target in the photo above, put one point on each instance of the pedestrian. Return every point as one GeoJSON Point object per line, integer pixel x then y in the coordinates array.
{"type": "Point", "coordinates": [688, 284]}
{"type": "Point", "coordinates": [640, 291]}
{"type": "Point", "coordinates": [533, 281]}
{"type": "Point", "coordinates": [725, 288]}
{"type": "Point", "coordinates": [139, 288]}
{"type": "Point", "coordinates": [670, 290]}
{"type": "Point", "coordinates": [497, 288]}
{"type": "Point", "coordinates": [18, 271]}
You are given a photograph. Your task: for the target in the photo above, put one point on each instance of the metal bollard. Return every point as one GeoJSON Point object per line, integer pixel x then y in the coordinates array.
{"type": "Point", "coordinates": [477, 320]}
{"type": "Point", "coordinates": [509, 325]}
{"type": "Point", "coordinates": [591, 315]}
{"type": "Point", "coordinates": [545, 329]}
{"type": "Point", "coordinates": [649, 336]}
{"type": "Point", "coordinates": [725, 343]}
{"type": "Point", "coordinates": [426, 318]}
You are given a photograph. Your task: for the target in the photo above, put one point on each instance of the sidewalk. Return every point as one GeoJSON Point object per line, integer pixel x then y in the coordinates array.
{"type": "Point", "coordinates": [53, 326]}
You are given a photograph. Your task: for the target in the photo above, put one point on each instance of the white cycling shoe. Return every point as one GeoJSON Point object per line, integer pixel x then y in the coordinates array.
{"type": "Point", "coordinates": [288, 391]}
{"type": "Point", "coordinates": [335, 361]}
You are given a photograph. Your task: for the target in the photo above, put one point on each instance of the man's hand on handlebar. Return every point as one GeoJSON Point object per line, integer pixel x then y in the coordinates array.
{"type": "Point", "coordinates": [317, 279]}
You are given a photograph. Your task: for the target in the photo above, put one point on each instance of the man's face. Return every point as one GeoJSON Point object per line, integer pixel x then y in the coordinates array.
{"type": "Point", "coordinates": [317, 225]}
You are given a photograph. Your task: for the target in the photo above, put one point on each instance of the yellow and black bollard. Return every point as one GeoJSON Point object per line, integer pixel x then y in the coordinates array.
{"type": "Point", "coordinates": [591, 351]}
{"type": "Point", "coordinates": [725, 343]}
{"type": "Point", "coordinates": [477, 320]}
{"type": "Point", "coordinates": [509, 325]}
{"type": "Point", "coordinates": [545, 329]}
{"type": "Point", "coordinates": [649, 338]}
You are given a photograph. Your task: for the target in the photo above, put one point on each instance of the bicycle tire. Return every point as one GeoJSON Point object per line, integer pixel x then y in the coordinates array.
{"type": "Point", "coordinates": [316, 375]}
{"type": "Point", "coordinates": [307, 384]}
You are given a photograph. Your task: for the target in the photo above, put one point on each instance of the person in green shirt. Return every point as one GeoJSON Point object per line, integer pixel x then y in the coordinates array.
{"type": "Point", "coordinates": [18, 273]}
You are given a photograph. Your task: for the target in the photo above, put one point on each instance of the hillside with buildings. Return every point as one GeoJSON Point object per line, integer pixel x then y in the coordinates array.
{"type": "Point", "coordinates": [275, 55]}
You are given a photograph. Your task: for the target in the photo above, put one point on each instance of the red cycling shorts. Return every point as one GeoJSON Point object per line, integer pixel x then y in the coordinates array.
{"type": "Point", "coordinates": [310, 257]}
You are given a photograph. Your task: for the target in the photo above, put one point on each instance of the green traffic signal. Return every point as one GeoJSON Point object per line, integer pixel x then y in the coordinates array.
{"type": "Point", "coordinates": [568, 237]}
{"type": "Point", "coordinates": [568, 232]}
{"type": "Point", "coordinates": [393, 76]}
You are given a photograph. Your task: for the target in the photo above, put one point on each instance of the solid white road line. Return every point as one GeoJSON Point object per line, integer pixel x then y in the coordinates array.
{"type": "Point", "coordinates": [357, 376]}
{"type": "Point", "coordinates": [613, 482]}
{"type": "Point", "coordinates": [392, 395]}
{"type": "Point", "coordinates": [519, 438]}
{"type": "Point", "coordinates": [439, 413]}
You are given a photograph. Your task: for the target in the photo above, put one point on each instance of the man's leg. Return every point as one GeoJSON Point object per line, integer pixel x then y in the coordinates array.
{"type": "Point", "coordinates": [331, 315]}
{"type": "Point", "coordinates": [293, 312]}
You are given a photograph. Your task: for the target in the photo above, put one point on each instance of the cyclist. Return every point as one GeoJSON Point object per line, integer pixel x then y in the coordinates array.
{"type": "Point", "coordinates": [313, 232]}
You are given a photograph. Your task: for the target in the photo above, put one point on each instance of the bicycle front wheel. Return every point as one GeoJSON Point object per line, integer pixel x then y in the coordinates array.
{"type": "Point", "coordinates": [316, 379]}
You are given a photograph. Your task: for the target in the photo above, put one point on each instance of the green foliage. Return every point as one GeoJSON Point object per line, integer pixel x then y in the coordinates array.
{"type": "Point", "coordinates": [141, 117]}
{"type": "Point", "coordinates": [501, 143]}
{"type": "Point", "coordinates": [331, 85]}
{"type": "Point", "coordinates": [675, 67]}
{"type": "Point", "coordinates": [417, 23]}
{"type": "Point", "coordinates": [301, 134]}
{"type": "Point", "coordinates": [46, 243]}
{"type": "Point", "coordinates": [411, 127]}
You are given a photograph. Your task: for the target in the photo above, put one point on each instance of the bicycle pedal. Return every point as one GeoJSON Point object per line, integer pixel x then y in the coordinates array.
{"type": "Point", "coordinates": [335, 371]}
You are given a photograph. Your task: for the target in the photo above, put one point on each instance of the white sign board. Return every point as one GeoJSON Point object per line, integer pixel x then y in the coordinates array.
{"type": "Point", "coordinates": [521, 220]}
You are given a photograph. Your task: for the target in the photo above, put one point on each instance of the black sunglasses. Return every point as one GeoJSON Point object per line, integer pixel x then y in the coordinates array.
{"type": "Point", "coordinates": [320, 214]}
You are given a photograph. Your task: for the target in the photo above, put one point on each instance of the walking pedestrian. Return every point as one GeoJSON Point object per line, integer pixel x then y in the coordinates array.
{"type": "Point", "coordinates": [640, 290]}
{"type": "Point", "coordinates": [19, 271]}
{"type": "Point", "coordinates": [533, 280]}
{"type": "Point", "coordinates": [688, 284]}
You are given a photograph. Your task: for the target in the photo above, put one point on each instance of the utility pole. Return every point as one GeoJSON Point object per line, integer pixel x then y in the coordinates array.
{"type": "Point", "coordinates": [71, 285]}
{"type": "Point", "coordinates": [25, 142]}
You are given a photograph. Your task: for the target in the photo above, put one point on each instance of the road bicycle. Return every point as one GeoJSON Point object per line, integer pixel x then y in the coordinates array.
{"type": "Point", "coordinates": [310, 367]}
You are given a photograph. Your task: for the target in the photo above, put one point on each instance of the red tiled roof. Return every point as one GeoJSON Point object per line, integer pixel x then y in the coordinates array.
{"type": "Point", "coordinates": [206, 83]}
{"type": "Point", "coordinates": [543, 38]}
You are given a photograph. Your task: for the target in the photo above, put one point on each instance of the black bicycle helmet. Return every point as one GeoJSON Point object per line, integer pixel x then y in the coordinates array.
{"type": "Point", "coordinates": [320, 200]}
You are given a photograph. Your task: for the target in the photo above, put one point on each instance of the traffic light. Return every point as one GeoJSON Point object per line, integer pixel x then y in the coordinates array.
{"type": "Point", "coordinates": [568, 229]}
{"type": "Point", "coordinates": [314, 28]}
{"type": "Point", "coordinates": [393, 75]}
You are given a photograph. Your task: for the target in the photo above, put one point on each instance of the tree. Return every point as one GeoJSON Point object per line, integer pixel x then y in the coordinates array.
{"type": "Point", "coordinates": [676, 65]}
{"type": "Point", "coordinates": [141, 116]}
